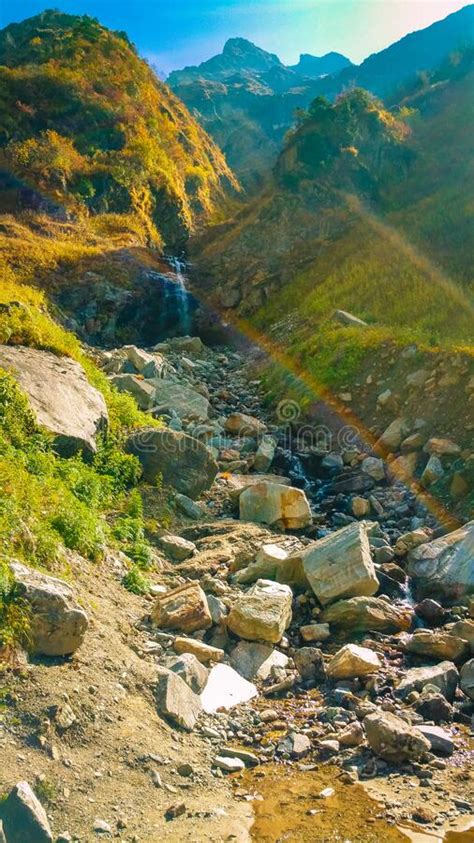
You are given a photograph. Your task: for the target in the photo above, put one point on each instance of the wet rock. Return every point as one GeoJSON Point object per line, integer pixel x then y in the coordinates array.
{"type": "Point", "coordinates": [239, 424]}
{"type": "Point", "coordinates": [438, 645]}
{"type": "Point", "coordinates": [176, 701]}
{"type": "Point", "coordinates": [440, 740]}
{"type": "Point", "coordinates": [225, 689]}
{"type": "Point", "coordinates": [262, 613]}
{"type": "Point", "coordinates": [443, 568]}
{"type": "Point", "coordinates": [182, 462]}
{"type": "Point", "coordinates": [443, 676]}
{"type": "Point", "coordinates": [177, 548]}
{"type": "Point", "coordinates": [352, 661]}
{"type": "Point", "coordinates": [315, 632]}
{"type": "Point", "coordinates": [183, 608]}
{"type": "Point", "coordinates": [295, 745]}
{"type": "Point", "coordinates": [24, 818]}
{"type": "Point", "coordinates": [189, 668]}
{"type": "Point", "coordinates": [340, 565]}
{"type": "Point", "coordinates": [467, 679]}
{"type": "Point", "coordinates": [393, 739]}
{"type": "Point", "coordinates": [256, 661]}
{"type": "Point", "coordinates": [203, 652]}
{"type": "Point", "coordinates": [309, 662]}
{"type": "Point", "coordinates": [430, 611]}
{"type": "Point", "coordinates": [265, 566]}
{"type": "Point", "coordinates": [57, 623]}
{"type": "Point", "coordinates": [432, 472]}
{"type": "Point", "coordinates": [273, 503]}
{"type": "Point", "coordinates": [60, 396]}
{"type": "Point", "coordinates": [360, 614]}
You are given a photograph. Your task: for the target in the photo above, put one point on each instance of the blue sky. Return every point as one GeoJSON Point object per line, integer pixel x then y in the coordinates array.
{"type": "Point", "coordinates": [173, 33]}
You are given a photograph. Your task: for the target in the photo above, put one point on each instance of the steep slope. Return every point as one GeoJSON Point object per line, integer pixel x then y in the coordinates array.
{"type": "Point", "coordinates": [86, 125]}
{"type": "Point", "coordinates": [237, 101]}
{"type": "Point", "coordinates": [367, 211]}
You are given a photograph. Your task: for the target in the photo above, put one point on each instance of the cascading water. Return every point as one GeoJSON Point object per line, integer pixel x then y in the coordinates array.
{"type": "Point", "coordinates": [182, 296]}
{"type": "Point", "coordinates": [175, 306]}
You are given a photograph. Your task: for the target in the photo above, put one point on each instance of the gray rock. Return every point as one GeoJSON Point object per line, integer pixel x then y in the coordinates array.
{"type": "Point", "coordinates": [228, 764]}
{"type": "Point", "coordinates": [255, 661]}
{"type": "Point", "coordinates": [309, 662]}
{"type": "Point", "coordinates": [393, 739]}
{"type": "Point", "coordinates": [249, 759]}
{"type": "Point", "coordinates": [177, 548]}
{"type": "Point", "coordinates": [295, 745]}
{"type": "Point", "coordinates": [57, 623]}
{"type": "Point", "coordinates": [188, 507]}
{"type": "Point", "coordinates": [440, 740]}
{"type": "Point", "coordinates": [189, 345]}
{"type": "Point", "coordinates": [176, 701]}
{"type": "Point", "coordinates": [346, 318]}
{"type": "Point", "coordinates": [467, 679]}
{"type": "Point", "coordinates": [226, 689]}
{"type": "Point", "coordinates": [262, 613]}
{"type": "Point", "coordinates": [60, 396]}
{"type": "Point", "coordinates": [265, 454]}
{"type": "Point", "coordinates": [265, 565]}
{"type": "Point", "coordinates": [24, 818]}
{"type": "Point", "coordinates": [432, 472]}
{"type": "Point", "coordinates": [443, 676]}
{"type": "Point", "coordinates": [142, 391]}
{"type": "Point", "coordinates": [185, 402]}
{"type": "Point", "coordinates": [443, 568]}
{"type": "Point", "coordinates": [374, 467]}
{"type": "Point", "coordinates": [184, 463]}
{"type": "Point", "coordinates": [189, 668]}
{"type": "Point", "coordinates": [340, 565]}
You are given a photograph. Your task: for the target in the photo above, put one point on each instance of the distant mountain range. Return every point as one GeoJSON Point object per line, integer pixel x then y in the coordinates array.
{"type": "Point", "coordinates": [246, 98]}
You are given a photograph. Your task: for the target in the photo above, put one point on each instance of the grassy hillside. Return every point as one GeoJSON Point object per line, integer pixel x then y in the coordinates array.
{"type": "Point", "coordinates": [85, 126]}
{"type": "Point", "coordinates": [367, 212]}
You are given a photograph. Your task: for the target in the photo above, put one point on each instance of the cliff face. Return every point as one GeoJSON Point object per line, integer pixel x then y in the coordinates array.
{"type": "Point", "coordinates": [86, 124]}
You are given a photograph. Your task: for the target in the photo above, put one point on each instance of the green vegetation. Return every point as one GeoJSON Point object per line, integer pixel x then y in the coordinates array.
{"type": "Point", "coordinates": [86, 125]}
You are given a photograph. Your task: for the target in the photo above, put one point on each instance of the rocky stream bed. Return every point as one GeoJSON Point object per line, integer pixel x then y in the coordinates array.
{"type": "Point", "coordinates": [307, 640]}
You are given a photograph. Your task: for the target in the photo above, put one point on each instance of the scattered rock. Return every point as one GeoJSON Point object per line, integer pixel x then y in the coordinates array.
{"type": "Point", "coordinates": [315, 632]}
{"type": "Point", "coordinates": [239, 424]}
{"type": "Point", "coordinates": [340, 565]}
{"type": "Point", "coordinates": [229, 765]}
{"type": "Point", "coordinates": [352, 661]}
{"type": "Point", "coordinates": [265, 566]}
{"type": "Point", "coordinates": [265, 455]}
{"type": "Point", "coordinates": [188, 667]}
{"type": "Point", "coordinates": [57, 623]}
{"type": "Point", "coordinates": [443, 676]}
{"type": "Point", "coordinates": [183, 608]}
{"type": "Point", "coordinates": [467, 679]}
{"type": "Point", "coordinates": [393, 739]}
{"type": "Point", "coordinates": [176, 701]}
{"type": "Point", "coordinates": [188, 507]}
{"type": "Point", "coordinates": [360, 614]}
{"type": "Point", "coordinates": [177, 548]}
{"type": "Point", "coordinates": [309, 662]}
{"type": "Point", "coordinates": [345, 318]}
{"type": "Point", "coordinates": [262, 613]}
{"type": "Point", "coordinates": [203, 652]}
{"type": "Point", "coordinates": [438, 645]}
{"type": "Point", "coordinates": [273, 503]}
{"type": "Point", "coordinates": [443, 568]}
{"type": "Point", "coordinates": [430, 611]}
{"type": "Point", "coordinates": [442, 447]}
{"type": "Point", "coordinates": [432, 472]}
{"type": "Point", "coordinates": [352, 735]}
{"type": "Point", "coordinates": [295, 745]}
{"type": "Point", "coordinates": [440, 740]}
{"type": "Point", "coordinates": [142, 391]}
{"type": "Point", "coordinates": [256, 661]}
{"type": "Point", "coordinates": [374, 467]}
{"type": "Point", "coordinates": [225, 689]}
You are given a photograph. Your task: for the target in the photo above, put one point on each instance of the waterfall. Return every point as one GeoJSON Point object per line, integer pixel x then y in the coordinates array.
{"type": "Point", "coordinates": [183, 312]}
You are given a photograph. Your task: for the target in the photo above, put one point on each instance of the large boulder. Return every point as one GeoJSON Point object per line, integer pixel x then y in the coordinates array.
{"type": "Point", "coordinates": [185, 402]}
{"type": "Point", "coordinates": [141, 390]}
{"type": "Point", "coordinates": [57, 623]}
{"type": "Point", "coordinates": [273, 503]}
{"type": "Point", "coordinates": [393, 739]}
{"type": "Point", "coordinates": [444, 568]}
{"type": "Point", "coordinates": [262, 613]}
{"type": "Point", "coordinates": [360, 614]}
{"type": "Point", "coordinates": [467, 679]}
{"type": "Point", "coordinates": [181, 461]}
{"type": "Point", "coordinates": [340, 565]}
{"type": "Point", "coordinates": [443, 676]}
{"type": "Point", "coordinates": [24, 818]}
{"type": "Point", "coordinates": [352, 661]}
{"type": "Point", "coordinates": [188, 667]}
{"type": "Point", "coordinates": [176, 701]}
{"type": "Point", "coordinates": [184, 608]}
{"type": "Point", "coordinates": [438, 645]}
{"type": "Point", "coordinates": [256, 661]}
{"type": "Point", "coordinates": [60, 396]}
{"type": "Point", "coordinates": [225, 689]}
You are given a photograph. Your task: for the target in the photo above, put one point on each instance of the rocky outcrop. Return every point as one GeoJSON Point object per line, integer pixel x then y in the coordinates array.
{"type": "Point", "coordinates": [274, 504]}
{"type": "Point", "coordinates": [340, 565]}
{"type": "Point", "coordinates": [57, 623]}
{"type": "Point", "coordinates": [184, 608]}
{"type": "Point", "coordinates": [60, 396]}
{"type": "Point", "coordinates": [180, 460]}
{"type": "Point", "coordinates": [443, 568]}
{"type": "Point", "coordinates": [393, 739]}
{"type": "Point", "coordinates": [262, 613]}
